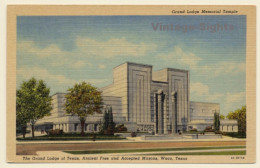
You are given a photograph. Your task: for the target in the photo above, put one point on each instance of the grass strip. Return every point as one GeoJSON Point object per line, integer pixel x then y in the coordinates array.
{"type": "Point", "coordinates": [149, 150]}
{"type": "Point", "coordinates": [68, 138]}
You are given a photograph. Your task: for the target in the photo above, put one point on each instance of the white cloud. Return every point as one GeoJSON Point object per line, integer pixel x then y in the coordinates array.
{"type": "Point", "coordinates": [78, 64]}
{"type": "Point", "coordinates": [228, 101]}
{"type": "Point", "coordinates": [102, 66]}
{"type": "Point", "coordinates": [98, 81]}
{"type": "Point", "coordinates": [178, 56]}
{"type": "Point", "coordinates": [30, 47]}
{"type": "Point", "coordinates": [56, 56]}
{"type": "Point", "coordinates": [189, 60]}
{"type": "Point", "coordinates": [113, 47]}
{"type": "Point", "coordinates": [235, 97]}
{"type": "Point", "coordinates": [199, 89]}
{"type": "Point", "coordinates": [221, 68]}
{"type": "Point", "coordinates": [233, 101]}
{"type": "Point", "coordinates": [54, 80]}
{"type": "Point", "coordinates": [26, 73]}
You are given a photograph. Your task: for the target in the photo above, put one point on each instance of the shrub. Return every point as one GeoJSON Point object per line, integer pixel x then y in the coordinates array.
{"type": "Point", "coordinates": [151, 132]}
{"type": "Point", "coordinates": [133, 134]}
{"type": "Point", "coordinates": [120, 128]}
{"type": "Point", "coordinates": [234, 134]}
{"type": "Point", "coordinates": [108, 132]}
{"type": "Point", "coordinates": [55, 132]}
{"type": "Point", "coordinates": [208, 129]}
{"type": "Point", "coordinates": [193, 130]}
{"type": "Point", "coordinates": [218, 132]}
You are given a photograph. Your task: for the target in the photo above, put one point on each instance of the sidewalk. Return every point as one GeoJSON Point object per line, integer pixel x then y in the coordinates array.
{"type": "Point", "coordinates": [130, 139]}
{"type": "Point", "coordinates": [36, 133]}
{"type": "Point", "coordinates": [60, 153]}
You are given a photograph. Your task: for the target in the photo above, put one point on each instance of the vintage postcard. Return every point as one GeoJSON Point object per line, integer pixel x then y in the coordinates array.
{"type": "Point", "coordinates": [131, 84]}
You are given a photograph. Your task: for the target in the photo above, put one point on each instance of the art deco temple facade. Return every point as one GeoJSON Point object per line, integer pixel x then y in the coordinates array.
{"type": "Point", "coordinates": [156, 101]}
{"type": "Point", "coordinates": [144, 100]}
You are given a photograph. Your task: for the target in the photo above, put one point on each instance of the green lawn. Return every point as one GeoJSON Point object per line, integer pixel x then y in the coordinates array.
{"type": "Point", "coordinates": [70, 137]}
{"type": "Point", "coordinates": [234, 134]}
{"type": "Point", "coordinates": [150, 150]}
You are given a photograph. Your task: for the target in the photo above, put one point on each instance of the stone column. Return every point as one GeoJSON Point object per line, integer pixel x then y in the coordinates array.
{"type": "Point", "coordinates": [160, 131]}
{"type": "Point", "coordinates": [165, 130]}
{"type": "Point", "coordinates": [173, 113]}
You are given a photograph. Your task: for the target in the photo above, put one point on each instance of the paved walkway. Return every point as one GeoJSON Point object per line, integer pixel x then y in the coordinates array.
{"type": "Point", "coordinates": [60, 153]}
{"type": "Point", "coordinates": [36, 133]}
{"type": "Point", "coordinates": [32, 148]}
{"type": "Point", "coordinates": [131, 140]}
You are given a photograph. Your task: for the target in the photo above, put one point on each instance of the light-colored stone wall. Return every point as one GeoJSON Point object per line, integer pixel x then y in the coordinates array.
{"type": "Point", "coordinates": [179, 82]}
{"type": "Point", "coordinates": [203, 110]}
{"type": "Point", "coordinates": [139, 87]}
{"type": "Point", "coordinates": [160, 75]}
{"type": "Point", "coordinates": [61, 120]}
{"type": "Point", "coordinates": [115, 103]}
{"type": "Point", "coordinates": [119, 87]}
{"type": "Point", "coordinates": [58, 104]}
{"type": "Point", "coordinates": [228, 125]}
{"type": "Point", "coordinates": [202, 114]}
{"type": "Point", "coordinates": [200, 125]}
{"type": "Point", "coordinates": [132, 97]}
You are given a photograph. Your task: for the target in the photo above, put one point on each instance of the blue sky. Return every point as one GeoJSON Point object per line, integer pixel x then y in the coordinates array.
{"type": "Point", "coordinates": [63, 50]}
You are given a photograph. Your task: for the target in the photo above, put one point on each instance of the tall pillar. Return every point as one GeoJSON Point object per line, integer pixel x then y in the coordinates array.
{"type": "Point", "coordinates": [165, 114]}
{"type": "Point", "coordinates": [174, 113]}
{"type": "Point", "coordinates": [160, 131]}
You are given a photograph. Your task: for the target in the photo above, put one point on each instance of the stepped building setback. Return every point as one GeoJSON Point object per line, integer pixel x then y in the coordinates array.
{"type": "Point", "coordinates": [143, 100]}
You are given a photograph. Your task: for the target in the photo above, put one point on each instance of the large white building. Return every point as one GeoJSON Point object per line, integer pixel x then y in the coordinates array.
{"type": "Point", "coordinates": [143, 100]}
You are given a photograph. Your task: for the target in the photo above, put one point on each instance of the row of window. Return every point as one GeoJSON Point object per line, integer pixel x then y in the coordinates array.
{"type": "Point", "coordinates": [203, 111]}
{"type": "Point", "coordinates": [77, 127]}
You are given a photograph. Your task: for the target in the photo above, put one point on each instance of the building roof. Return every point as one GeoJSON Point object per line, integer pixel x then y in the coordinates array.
{"type": "Point", "coordinates": [226, 121]}
{"type": "Point", "coordinates": [204, 102]}
{"type": "Point", "coordinates": [133, 63]}
{"type": "Point", "coordinates": [147, 65]}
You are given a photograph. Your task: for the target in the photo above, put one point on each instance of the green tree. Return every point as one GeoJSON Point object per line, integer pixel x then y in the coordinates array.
{"type": "Point", "coordinates": [108, 126]}
{"type": "Point", "coordinates": [222, 117]}
{"type": "Point", "coordinates": [216, 121]}
{"type": "Point", "coordinates": [33, 102]}
{"type": "Point", "coordinates": [21, 117]}
{"type": "Point", "coordinates": [111, 124]}
{"type": "Point", "coordinates": [240, 116]}
{"type": "Point", "coordinates": [83, 100]}
{"type": "Point", "coordinates": [105, 121]}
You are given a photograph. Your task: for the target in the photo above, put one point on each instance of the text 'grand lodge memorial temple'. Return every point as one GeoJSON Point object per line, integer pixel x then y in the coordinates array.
{"type": "Point", "coordinates": [144, 100]}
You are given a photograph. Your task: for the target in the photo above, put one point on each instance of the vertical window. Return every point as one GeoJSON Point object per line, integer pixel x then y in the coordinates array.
{"type": "Point", "coordinates": [75, 127]}
{"type": "Point", "coordinates": [86, 127]}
